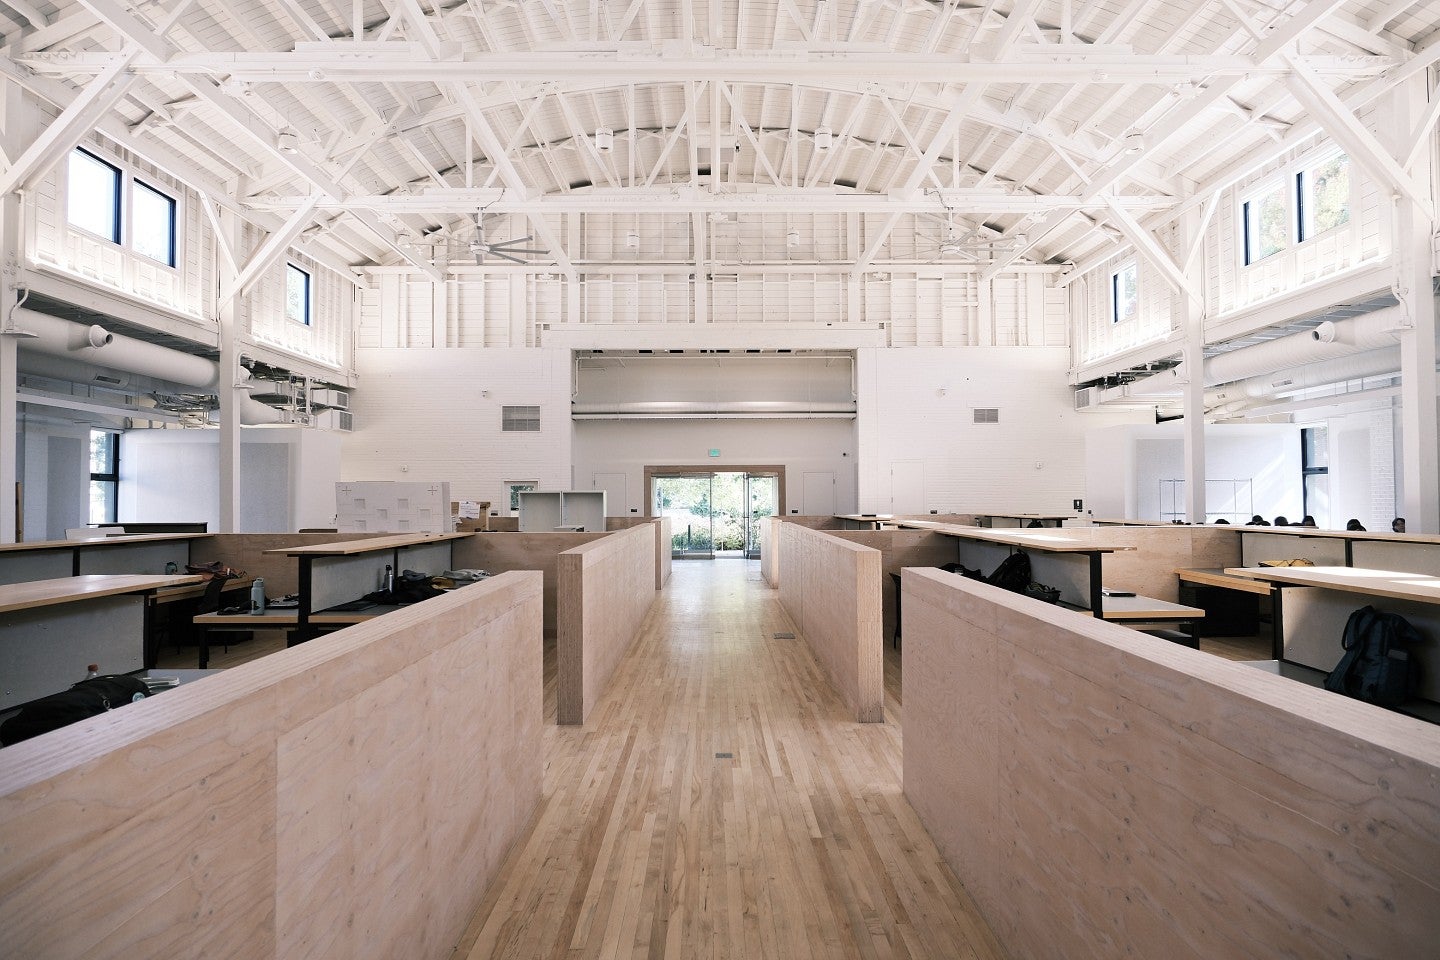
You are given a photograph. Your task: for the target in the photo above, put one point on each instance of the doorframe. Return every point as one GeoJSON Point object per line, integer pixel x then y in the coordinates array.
{"type": "Point", "coordinates": [704, 470]}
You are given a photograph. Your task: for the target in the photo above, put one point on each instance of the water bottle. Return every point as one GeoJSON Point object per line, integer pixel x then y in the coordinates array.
{"type": "Point", "coordinates": [92, 671]}
{"type": "Point", "coordinates": [389, 585]}
{"type": "Point", "coordinates": [257, 597]}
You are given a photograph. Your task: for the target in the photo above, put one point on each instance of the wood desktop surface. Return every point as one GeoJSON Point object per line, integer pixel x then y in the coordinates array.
{"type": "Point", "coordinates": [347, 548]}
{"type": "Point", "coordinates": [1396, 585]}
{"type": "Point", "coordinates": [1031, 539]}
{"type": "Point", "coordinates": [97, 541]}
{"type": "Point", "coordinates": [1148, 608]}
{"type": "Point", "coordinates": [1218, 577]}
{"type": "Point", "coordinates": [44, 593]}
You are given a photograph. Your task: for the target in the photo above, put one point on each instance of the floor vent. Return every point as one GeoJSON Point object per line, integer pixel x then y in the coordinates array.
{"type": "Point", "coordinates": [784, 636]}
{"type": "Point", "coordinates": [724, 756]}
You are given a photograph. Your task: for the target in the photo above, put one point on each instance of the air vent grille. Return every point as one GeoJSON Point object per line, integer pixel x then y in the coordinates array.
{"type": "Point", "coordinates": [520, 419]}
{"type": "Point", "coordinates": [987, 414]}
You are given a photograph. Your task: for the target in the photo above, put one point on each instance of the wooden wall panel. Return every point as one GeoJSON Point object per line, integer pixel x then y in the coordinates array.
{"type": "Point", "coordinates": [831, 591]}
{"type": "Point", "coordinates": [606, 589]}
{"type": "Point", "coordinates": [1101, 796]}
{"type": "Point", "coordinates": [1149, 569]}
{"type": "Point", "coordinates": [899, 549]}
{"type": "Point", "coordinates": [664, 555]}
{"type": "Point", "coordinates": [330, 800]}
{"type": "Point", "coordinates": [502, 551]}
{"type": "Point", "coordinates": [246, 551]}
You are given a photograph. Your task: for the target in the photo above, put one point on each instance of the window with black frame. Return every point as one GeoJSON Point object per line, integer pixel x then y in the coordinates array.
{"type": "Point", "coordinates": [1315, 473]}
{"type": "Point", "coordinates": [104, 475]}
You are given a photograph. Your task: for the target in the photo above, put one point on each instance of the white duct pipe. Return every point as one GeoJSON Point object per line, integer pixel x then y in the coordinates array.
{"type": "Point", "coordinates": [95, 345]}
{"type": "Point", "coordinates": [663, 407]}
{"type": "Point", "coordinates": [1372, 363]}
{"type": "Point", "coordinates": [1328, 340]}
{"type": "Point", "coordinates": [86, 354]}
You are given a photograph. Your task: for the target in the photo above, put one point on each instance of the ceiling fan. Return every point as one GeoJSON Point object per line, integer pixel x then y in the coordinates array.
{"type": "Point", "coordinates": [512, 250]}
{"type": "Point", "coordinates": [955, 240]}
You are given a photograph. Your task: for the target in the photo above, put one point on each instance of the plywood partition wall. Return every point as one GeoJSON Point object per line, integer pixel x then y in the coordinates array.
{"type": "Point", "coordinates": [349, 797]}
{"type": "Point", "coordinates": [900, 549]}
{"type": "Point", "coordinates": [664, 555]}
{"type": "Point", "coordinates": [605, 589]}
{"type": "Point", "coordinates": [247, 552]}
{"type": "Point", "coordinates": [1101, 794]}
{"type": "Point", "coordinates": [831, 591]}
{"type": "Point", "coordinates": [500, 551]}
{"type": "Point", "coordinates": [1149, 568]}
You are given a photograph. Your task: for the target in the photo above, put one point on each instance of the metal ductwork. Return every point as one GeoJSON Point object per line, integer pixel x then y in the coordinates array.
{"type": "Point", "coordinates": [1371, 363]}
{"type": "Point", "coordinates": [720, 410]}
{"type": "Point", "coordinates": [88, 353]}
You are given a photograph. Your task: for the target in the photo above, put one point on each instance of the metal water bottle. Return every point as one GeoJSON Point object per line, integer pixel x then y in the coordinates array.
{"type": "Point", "coordinates": [257, 597]}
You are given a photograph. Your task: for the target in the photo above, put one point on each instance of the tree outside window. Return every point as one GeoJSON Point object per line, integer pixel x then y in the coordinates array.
{"type": "Point", "coordinates": [1324, 192]}
{"type": "Point", "coordinates": [1266, 229]}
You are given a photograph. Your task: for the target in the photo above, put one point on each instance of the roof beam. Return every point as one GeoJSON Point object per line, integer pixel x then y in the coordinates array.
{"type": "Point", "coordinates": [271, 250]}
{"type": "Point", "coordinates": [692, 200]}
{"type": "Point", "coordinates": [1337, 120]}
{"type": "Point", "coordinates": [398, 61]}
{"type": "Point", "coordinates": [1152, 251]}
{"type": "Point", "coordinates": [72, 126]}
{"type": "Point", "coordinates": [1280, 39]}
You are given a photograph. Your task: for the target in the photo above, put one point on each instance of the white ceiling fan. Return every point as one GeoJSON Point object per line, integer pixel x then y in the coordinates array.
{"type": "Point", "coordinates": [511, 250]}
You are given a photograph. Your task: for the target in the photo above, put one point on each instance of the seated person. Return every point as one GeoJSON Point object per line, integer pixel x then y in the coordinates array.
{"type": "Point", "coordinates": [1258, 521]}
{"type": "Point", "coordinates": [1307, 521]}
{"type": "Point", "coordinates": [1354, 524]}
{"type": "Point", "coordinates": [1280, 521]}
{"type": "Point", "coordinates": [1397, 525]}
{"type": "Point", "coordinates": [1224, 521]}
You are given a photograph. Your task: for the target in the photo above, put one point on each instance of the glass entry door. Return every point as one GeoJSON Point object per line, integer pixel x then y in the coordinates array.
{"type": "Point", "coordinates": [715, 514]}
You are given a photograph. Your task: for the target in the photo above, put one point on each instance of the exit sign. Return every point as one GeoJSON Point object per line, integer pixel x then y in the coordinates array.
{"type": "Point", "coordinates": [714, 451]}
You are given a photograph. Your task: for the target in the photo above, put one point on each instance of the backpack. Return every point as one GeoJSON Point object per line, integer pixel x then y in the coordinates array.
{"type": "Point", "coordinates": [1013, 573]}
{"type": "Point", "coordinates": [87, 698]}
{"type": "Point", "coordinates": [1376, 666]}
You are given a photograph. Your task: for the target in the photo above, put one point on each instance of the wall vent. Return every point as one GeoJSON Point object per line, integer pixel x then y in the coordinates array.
{"type": "Point", "coordinates": [520, 419]}
{"type": "Point", "coordinates": [987, 414]}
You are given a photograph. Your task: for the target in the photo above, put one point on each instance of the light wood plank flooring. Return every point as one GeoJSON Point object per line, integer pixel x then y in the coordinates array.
{"type": "Point", "coordinates": [800, 844]}
{"type": "Point", "coordinates": [720, 804]}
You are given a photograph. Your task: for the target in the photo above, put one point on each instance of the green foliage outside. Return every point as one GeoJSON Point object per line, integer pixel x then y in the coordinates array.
{"type": "Point", "coordinates": [709, 516]}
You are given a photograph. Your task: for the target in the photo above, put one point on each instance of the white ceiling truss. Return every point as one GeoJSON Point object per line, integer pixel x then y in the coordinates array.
{"type": "Point", "coordinates": [363, 129]}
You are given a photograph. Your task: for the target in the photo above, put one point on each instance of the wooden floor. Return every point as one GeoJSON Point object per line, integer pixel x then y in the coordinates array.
{"type": "Point", "coordinates": [720, 804]}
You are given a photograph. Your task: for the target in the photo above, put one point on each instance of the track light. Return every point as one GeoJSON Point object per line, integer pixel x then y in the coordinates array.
{"type": "Point", "coordinates": [823, 138]}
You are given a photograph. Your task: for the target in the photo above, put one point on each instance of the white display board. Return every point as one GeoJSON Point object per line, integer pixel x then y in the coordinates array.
{"type": "Point", "coordinates": [393, 506]}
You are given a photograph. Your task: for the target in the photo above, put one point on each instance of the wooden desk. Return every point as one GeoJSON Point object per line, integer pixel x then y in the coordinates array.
{"type": "Point", "coordinates": [1067, 561]}
{"type": "Point", "coordinates": [1311, 605]}
{"type": "Point", "coordinates": [1133, 611]}
{"type": "Point", "coordinates": [864, 521]}
{"type": "Point", "coordinates": [1023, 519]}
{"type": "Point", "coordinates": [50, 630]}
{"type": "Point", "coordinates": [51, 559]}
{"type": "Point", "coordinates": [335, 573]}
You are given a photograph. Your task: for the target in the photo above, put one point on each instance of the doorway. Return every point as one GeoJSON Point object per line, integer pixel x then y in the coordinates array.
{"type": "Point", "coordinates": [714, 513]}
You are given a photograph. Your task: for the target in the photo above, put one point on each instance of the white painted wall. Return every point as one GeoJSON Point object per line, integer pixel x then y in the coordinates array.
{"type": "Point", "coordinates": [426, 414]}
{"type": "Point", "coordinates": [174, 475]}
{"type": "Point", "coordinates": [802, 446]}
{"type": "Point", "coordinates": [1127, 466]}
{"type": "Point", "coordinates": [916, 412]}
{"type": "Point", "coordinates": [54, 472]}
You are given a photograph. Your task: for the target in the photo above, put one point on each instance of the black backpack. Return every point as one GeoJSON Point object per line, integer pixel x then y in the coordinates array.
{"type": "Point", "coordinates": [1013, 573]}
{"type": "Point", "coordinates": [85, 699]}
{"type": "Point", "coordinates": [1377, 666]}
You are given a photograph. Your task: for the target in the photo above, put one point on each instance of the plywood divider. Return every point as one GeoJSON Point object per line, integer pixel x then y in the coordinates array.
{"type": "Point", "coordinates": [501, 551]}
{"type": "Point", "coordinates": [899, 549]}
{"type": "Point", "coordinates": [664, 555]}
{"type": "Point", "coordinates": [606, 589]}
{"type": "Point", "coordinates": [349, 797]}
{"type": "Point", "coordinates": [831, 591]}
{"type": "Point", "coordinates": [247, 551]}
{"type": "Point", "coordinates": [1101, 795]}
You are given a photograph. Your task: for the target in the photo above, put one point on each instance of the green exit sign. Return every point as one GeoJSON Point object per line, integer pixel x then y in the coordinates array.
{"type": "Point", "coordinates": [714, 451]}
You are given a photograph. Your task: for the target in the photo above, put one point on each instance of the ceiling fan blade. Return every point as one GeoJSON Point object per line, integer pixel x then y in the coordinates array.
{"type": "Point", "coordinates": [505, 256]}
{"type": "Point", "coordinates": [511, 243]}
{"type": "Point", "coordinates": [533, 253]}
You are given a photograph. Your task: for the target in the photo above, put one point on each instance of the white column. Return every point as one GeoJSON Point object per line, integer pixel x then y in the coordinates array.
{"type": "Point", "coordinates": [229, 482]}
{"type": "Point", "coordinates": [1414, 226]}
{"type": "Point", "coordinates": [1192, 313]}
{"type": "Point", "coordinates": [17, 121]}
